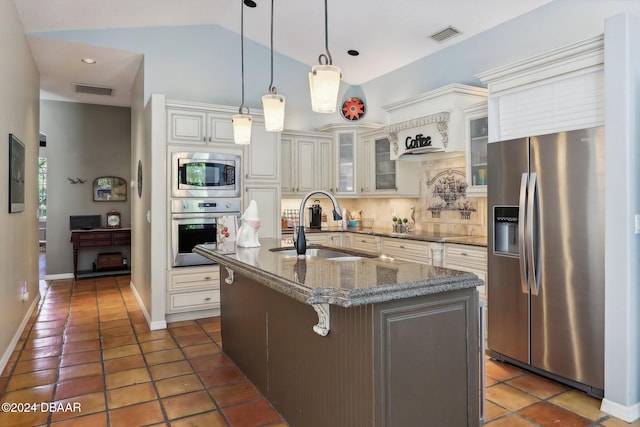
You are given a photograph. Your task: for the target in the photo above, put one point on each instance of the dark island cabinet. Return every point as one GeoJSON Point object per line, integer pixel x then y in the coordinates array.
{"type": "Point", "coordinates": [409, 362]}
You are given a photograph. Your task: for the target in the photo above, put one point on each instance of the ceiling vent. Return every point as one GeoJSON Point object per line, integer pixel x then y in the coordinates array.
{"type": "Point", "coordinates": [92, 89]}
{"type": "Point", "coordinates": [445, 34]}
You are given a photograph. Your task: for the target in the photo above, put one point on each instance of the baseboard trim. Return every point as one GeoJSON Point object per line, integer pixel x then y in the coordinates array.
{"type": "Point", "coordinates": [58, 276]}
{"type": "Point", "coordinates": [625, 413]}
{"type": "Point", "coordinates": [161, 324]}
{"type": "Point", "coordinates": [16, 337]}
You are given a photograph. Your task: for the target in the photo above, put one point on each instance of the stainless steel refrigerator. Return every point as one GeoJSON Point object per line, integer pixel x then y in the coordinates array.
{"type": "Point", "coordinates": [546, 255]}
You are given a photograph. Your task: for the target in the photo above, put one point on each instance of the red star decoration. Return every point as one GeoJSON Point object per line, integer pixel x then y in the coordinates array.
{"type": "Point", "coordinates": [353, 109]}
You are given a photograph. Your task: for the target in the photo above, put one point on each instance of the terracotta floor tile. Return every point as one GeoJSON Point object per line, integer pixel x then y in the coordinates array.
{"type": "Point", "coordinates": [77, 371]}
{"type": "Point", "coordinates": [233, 394]}
{"type": "Point", "coordinates": [116, 332]}
{"type": "Point", "coordinates": [201, 350]}
{"type": "Point", "coordinates": [251, 414]}
{"type": "Point", "coordinates": [509, 397]}
{"type": "Point", "coordinates": [154, 335]}
{"type": "Point", "coordinates": [44, 342]}
{"type": "Point", "coordinates": [36, 365]}
{"type": "Point", "coordinates": [115, 323]}
{"type": "Point", "coordinates": [130, 395]}
{"type": "Point", "coordinates": [578, 402]}
{"type": "Point", "coordinates": [78, 347]}
{"type": "Point", "coordinates": [615, 422]}
{"type": "Point", "coordinates": [177, 385]}
{"type": "Point", "coordinates": [157, 345]}
{"type": "Point", "coordinates": [181, 324]}
{"type": "Point", "coordinates": [199, 338]}
{"type": "Point", "coordinates": [187, 404]}
{"type": "Point", "coordinates": [491, 410]}
{"type": "Point", "coordinates": [110, 342]}
{"type": "Point", "coordinates": [124, 351]}
{"type": "Point", "coordinates": [116, 315]}
{"type": "Point", "coordinates": [32, 379]}
{"type": "Point", "coordinates": [537, 386]}
{"type": "Point", "coordinates": [23, 419]}
{"type": "Point", "coordinates": [548, 415]}
{"type": "Point", "coordinates": [221, 376]}
{"type": "Point", "coordinates": [209, 419]}
{"type": "Point", "coordinates": [205, 363]}
{"type": "Point", "coordinates": [510, 421]}
{"type": "Point", "coordinates": [125, 378]}
{"type": "Point", "coordinates": [93, 420]}
{"type": "Point", "coordinates": [78, 358]}
{"type": "Point", "coordinates": [88, 404]}
{"type": "Point", "coordinates": [82, 336]}
{"type": "Point", "coordinates": [501, 371]}
{"type": "Point", "coordinates": [79, 386]}
{"type": "Point", "coordinates": [34, 394]}
{"type": "Point", "coordinates": [137, 415]}
{"type": "Point", "coordinates": [163, 356]}
{"type": "Point", "coordinates": [48, 325]}
{"type": "Point", "coordinates": [37, 353]}
{"type": "Point", "coordinates": [123, 364]}
{"type": "Point", "coordinates": [43, 333]}
{"type": "Point", "coordinates": [168, 370]}
{"type": "Point", "coordinates": [192, 329]}
{"type": "Point", "coordinates": [89, 327]}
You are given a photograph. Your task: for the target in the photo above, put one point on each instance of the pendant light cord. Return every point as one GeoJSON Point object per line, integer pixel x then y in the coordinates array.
{"type": "Point", "coordinates": [327, 56]}
{"type": "Point", "coordinates": [242, 106]}
{"type": "Point", "coordinates": [272, 89]}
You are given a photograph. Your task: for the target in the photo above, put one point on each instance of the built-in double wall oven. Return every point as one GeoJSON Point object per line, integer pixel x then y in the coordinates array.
{"type": "Point", "coordinates": [204, 186]}
{"type": "Point", "coordinates": [193, 222]}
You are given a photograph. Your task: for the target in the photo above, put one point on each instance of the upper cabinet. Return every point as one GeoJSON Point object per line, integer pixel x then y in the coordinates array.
{"type": "Point", "coordinates": [379, 176]}
{"type": "Point", "coordinates": [262, 158]}
{"type": "Point", "coordinates": [189, 123]}
{"type": "Point", "coordinates": [477, 124]}
{"type": "Point", "coordinates": [305, 162]}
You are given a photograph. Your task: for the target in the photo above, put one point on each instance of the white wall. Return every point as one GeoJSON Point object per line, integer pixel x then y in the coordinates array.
{"type": "Point", "coordinates": [622, 265]}
{"type": "Point", "coordinates": [19, 111]}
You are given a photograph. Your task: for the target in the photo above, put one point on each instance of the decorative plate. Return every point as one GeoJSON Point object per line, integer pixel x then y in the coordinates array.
{"type": "Point", "coordinates": [353, 109]}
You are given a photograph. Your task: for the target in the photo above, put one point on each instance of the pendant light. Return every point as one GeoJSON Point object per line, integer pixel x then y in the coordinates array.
{"type": "Point", "coordinates": [324, 79]}
{"type": "Point", "coordinates": [241, 121]}
{"type": "Point", "coordinates": [272, 103]}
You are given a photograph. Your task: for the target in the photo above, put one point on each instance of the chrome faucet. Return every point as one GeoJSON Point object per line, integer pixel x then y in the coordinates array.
{"type": "Point", "coordinates": [301, 244]}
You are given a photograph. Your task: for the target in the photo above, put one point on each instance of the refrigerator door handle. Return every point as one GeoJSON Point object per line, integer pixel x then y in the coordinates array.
{"type": "Point", "coordinates": [524, 280]}
{"type": "Point", "coordinates": [533, 230]}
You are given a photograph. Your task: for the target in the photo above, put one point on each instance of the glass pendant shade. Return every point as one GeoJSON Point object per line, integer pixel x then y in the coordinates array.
{"type": "Point", "coordinates": [273, 107]}
{"type": "Point", "coordinates": [241, 128]}
{"type": "Point", "coordinates": [324, 83]}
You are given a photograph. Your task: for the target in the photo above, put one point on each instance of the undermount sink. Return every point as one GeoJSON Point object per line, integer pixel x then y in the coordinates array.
{"type": "Point", "coordinates": [329, 254]}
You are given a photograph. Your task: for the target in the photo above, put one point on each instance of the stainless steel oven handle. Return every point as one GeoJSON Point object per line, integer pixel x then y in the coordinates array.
{"type": "Point", "coordinates": [522, 215]}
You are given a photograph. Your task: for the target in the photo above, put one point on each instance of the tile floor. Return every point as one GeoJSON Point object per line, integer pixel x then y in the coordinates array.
{"type": "Point", "coordinates": [88, 347]}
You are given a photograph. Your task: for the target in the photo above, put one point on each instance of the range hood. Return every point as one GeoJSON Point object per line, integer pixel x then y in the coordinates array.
{"type": "Point", "coordinates": [415, 137]}
{"type": "Point", "coordinates": [432, 122]}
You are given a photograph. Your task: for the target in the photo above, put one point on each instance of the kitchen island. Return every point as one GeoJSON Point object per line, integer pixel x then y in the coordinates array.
{"type": "Point", "coordinates": [351, 338]}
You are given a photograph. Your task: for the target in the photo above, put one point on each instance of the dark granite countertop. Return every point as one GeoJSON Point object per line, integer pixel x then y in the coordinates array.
{"type": "Point", "coordinates": [364, 278]}
{"type": "Point", "coordinates": [414, 235]}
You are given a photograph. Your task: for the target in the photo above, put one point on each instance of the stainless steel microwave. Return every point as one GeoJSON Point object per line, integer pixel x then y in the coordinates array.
{"type": "Point", "coordinates": [202, 174]}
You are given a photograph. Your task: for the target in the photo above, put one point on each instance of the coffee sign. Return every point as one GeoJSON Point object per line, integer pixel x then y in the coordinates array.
{"type": "Point", "coordinates": [426, 134]}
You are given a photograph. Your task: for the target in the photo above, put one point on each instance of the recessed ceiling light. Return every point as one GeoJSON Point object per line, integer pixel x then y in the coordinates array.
{"type": "Point", "coordinates": [88, 60]}
{"type": "Point", "coordinates": [353, 52]}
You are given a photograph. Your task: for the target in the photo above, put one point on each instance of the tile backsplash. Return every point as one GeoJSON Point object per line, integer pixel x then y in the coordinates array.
{"type": "Point", "coordinates": [432, 172]}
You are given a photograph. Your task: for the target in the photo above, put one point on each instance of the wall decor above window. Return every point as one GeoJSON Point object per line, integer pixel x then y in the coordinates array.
{"type": "Point", "coordinates": [109, 189]}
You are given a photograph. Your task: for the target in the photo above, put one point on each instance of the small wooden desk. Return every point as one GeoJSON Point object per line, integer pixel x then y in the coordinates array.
{"type": "Point", "coordinates": [96, 238]}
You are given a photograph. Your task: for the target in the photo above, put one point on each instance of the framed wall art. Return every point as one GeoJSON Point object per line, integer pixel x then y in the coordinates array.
{"type": "Point", "coordinates": [109, 189]}
{"type": "Point", "coordinates": [16, 174]}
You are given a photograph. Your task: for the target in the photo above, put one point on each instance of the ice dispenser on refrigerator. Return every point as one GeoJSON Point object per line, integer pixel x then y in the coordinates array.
{"type": "Point", "coordinates": [505, 230]}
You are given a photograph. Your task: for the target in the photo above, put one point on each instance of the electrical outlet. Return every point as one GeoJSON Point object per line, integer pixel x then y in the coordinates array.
{"type": "Point", "coordinates": [24, 292]}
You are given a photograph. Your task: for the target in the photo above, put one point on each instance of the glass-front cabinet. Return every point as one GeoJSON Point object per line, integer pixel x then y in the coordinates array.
{"type": "Point", "coordinates": [346, 147]}
{"type": "Point", "coordinates": [476, 154]}
{"type": "Point", "coordinates": [385, 168]}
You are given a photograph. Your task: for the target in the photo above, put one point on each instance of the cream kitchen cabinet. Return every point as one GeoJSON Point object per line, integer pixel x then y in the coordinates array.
{"type": "Point", "coordinates": [409, 250]}
{"type": "Point", "coordinates": [305, 162]}
{"type": "Point", "coordinates": [472, 259]}
{"type": "Point", "coordinates": [477, 125]}
{"type": "Point", "coordinates": [193, 288]}
{"type": "Point", "coordinates": [365, 242]}
{"type": "Point", "coordinates": [334, 239]}
{"type": "Point", "coordinates": [195, 124]}
{"type": "Point", "coordinates": [378, 175]}
{"type": "Point", "coordinates": [262, 159]}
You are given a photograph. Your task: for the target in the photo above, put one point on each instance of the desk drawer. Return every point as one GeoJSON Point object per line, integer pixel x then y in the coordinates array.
{"type": "Point", "coordinates": [94, 236]}
{"type": "Point", "coordinates": [93, 243]}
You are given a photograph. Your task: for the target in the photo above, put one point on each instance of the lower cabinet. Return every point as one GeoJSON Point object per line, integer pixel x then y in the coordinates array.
{"type": "Point", "coordinates": [386, 364]}
{"type": "Point", "coordinates": [409, 250]}
{"type": "Point", "coordinates": [363, 242]}
{"type": "Point", "coordinates": [472, 259]}
{"type": "Point", "coordinates": [193, 288]}
{"type": "Point", "coordinates": [334, 239]}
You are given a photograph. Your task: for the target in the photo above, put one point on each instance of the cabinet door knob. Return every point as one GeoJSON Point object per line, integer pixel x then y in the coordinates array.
{"type": "Point", "coordinates": [402, 247]}
{"type": "Point", "coordinates": [463, 253]}
{"type": "Point", "coordinates": [207, 299]}
{"type": "Point", "coordinates": [207, 278]}
{"type": "Point", "coordinates": [204, 139]}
